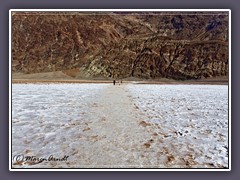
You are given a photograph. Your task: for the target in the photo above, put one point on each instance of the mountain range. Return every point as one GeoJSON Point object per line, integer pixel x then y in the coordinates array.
{"type": "Point", "coordinates": [146, 45]}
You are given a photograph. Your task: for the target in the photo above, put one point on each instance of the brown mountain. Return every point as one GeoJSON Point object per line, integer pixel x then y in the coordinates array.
{"type": "Point", "coordinates": [178, 45]}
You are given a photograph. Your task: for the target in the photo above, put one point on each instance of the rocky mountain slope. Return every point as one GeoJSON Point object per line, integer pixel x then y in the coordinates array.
{"type": "Point", "coordinates": [178, 45]}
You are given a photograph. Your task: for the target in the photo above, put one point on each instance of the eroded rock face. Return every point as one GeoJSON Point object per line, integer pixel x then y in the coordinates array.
{"type": "Point", "coordinates": [145, 45]}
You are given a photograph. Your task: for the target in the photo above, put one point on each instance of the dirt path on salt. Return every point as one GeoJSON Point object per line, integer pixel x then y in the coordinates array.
{"type": "Point", "coordinates": [118, 138]}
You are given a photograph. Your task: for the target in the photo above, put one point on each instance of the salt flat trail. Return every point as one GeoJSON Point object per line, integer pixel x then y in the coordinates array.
{"type": "Point", "coordinates": [131, 125]}
{"type": "Point", "coordinates": [119, 139]}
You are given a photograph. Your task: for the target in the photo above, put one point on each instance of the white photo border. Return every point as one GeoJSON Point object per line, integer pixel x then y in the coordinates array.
{"type": "Point", "coordinates": [117, 10]}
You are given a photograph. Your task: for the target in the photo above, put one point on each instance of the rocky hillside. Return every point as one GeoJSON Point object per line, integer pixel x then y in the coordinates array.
{"type": "Point", "coordinates": [179, 45]}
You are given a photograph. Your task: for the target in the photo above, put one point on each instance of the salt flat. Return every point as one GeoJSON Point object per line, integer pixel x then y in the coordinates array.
{"type": "Point", "coordinates": [131, 125]}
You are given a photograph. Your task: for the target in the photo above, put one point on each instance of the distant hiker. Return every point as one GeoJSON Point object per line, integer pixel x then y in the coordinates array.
{"type": "Point", "coordinates": [121, 81]}
{"type": "Point", "coordinates": [114, 82]}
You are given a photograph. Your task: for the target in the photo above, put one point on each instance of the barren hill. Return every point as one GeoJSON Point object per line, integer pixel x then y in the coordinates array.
{"type": "Point", "coordinates": [177, 45]}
